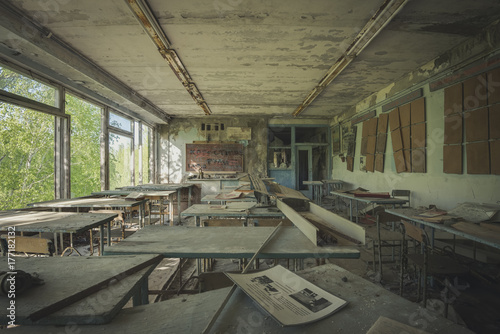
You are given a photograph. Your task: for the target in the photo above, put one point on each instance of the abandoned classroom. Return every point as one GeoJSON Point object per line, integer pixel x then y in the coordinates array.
{"type": "Point", "coordinates": [249, 166]}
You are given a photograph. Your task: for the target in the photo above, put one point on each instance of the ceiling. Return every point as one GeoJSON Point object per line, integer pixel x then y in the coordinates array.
{"type": "Point", "coordinates": [246, 58]}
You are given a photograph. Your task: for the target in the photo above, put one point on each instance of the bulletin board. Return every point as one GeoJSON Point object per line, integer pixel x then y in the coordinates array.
{"type": "Point", "coordinates": [220, 157]}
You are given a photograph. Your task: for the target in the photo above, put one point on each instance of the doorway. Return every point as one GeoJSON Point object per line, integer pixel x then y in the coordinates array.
{"type": "Point", "coordinates": [304, 169]}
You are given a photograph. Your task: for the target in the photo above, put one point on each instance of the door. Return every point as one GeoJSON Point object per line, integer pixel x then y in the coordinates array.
{"type": "Point", "coordinates": [304, 169]}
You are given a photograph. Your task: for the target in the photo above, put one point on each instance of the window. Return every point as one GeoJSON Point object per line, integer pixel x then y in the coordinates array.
{"type": "Point", "coordinates": [120, 122]}
{"type": "Point", "coordinates": [85, 146]}
{"type": "Point", "coordinates": [120, 161]}
{"type": "Point", "coordinates": [26, 156]}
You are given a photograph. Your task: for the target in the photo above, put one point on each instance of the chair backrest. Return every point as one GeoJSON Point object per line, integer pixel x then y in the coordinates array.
{"type": "Point", "coordinates": [402, 193]}
{"type": "Point", "coordinates": [414, 232]}
{"type": "Point", "coordinates": [29, 245]}
{"type": "Point", "coordinates": [385, 217]}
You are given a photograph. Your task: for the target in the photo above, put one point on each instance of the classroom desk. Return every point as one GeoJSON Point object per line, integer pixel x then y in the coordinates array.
{"type": "Point", "coordinates": [243, 210]}
{"type": "Point", "coordinates": [411, 215]}
{"type": "Point", "coordinates": [317, 190]}
{"type": "Point", "coordinates": [151, 195]}
{"type": "Point", "coordinates": [213, 198]}
{"type": "Point", "coordinates": [369, 200]}
{"type": "Point", "coordinates": [95, 203]}
{"type": "Point", "coordinates": [226, 242]}
{"type": "Point", "coordinates": [178, 187]}
{"type": "Point", "coordinates": [66, 276]}
{"type": "Point", "coordinates": [366, 303]}
{"type": "Point", "coordinates": [333, 185]}
{"type": "Point", "coordinates": [56, 222]}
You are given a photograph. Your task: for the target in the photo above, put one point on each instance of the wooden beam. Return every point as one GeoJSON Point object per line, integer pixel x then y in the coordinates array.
{"type": "Point", "coordinates": [308, 229]}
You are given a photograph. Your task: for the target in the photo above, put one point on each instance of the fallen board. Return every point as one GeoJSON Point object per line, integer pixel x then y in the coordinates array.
{"type": "Point", "coordinates": [64, 276]}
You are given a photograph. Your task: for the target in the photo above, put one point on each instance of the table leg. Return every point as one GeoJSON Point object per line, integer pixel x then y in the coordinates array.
{"type": "Point", "coordinates": [350, 209]}
{"type": "Point", "coordinates": [55, 242]}
{"type": "Point", "coordinates": [189, 196]}
{"type": "Point", "coordinates": [61, 241]}
{"type": "Point", "coordinates": [142, 219]}
{"type": "Point", "coordinates": [109, 233]}
{"type": "Point", "coordinates": [357, 213]}
{"type": "Point", "coordinates": [91, 242]}
{"type": "Point", "coordinates": [179, 204]}
{"type": "Point", "coordinates": [101, 233]}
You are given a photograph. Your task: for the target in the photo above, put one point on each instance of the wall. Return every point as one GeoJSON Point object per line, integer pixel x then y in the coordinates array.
{"type": "Point", "coordinates": [175, 135]}
{"type": "Point", "coordinates": [432, 187]}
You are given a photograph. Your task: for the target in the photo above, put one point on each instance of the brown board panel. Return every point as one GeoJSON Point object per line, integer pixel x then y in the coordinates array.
{"type": "Point", "coordinates": [364, 145]}
{"type": "Point", "coordinates": [494, 121]}
{"type": "Point", "coordinates": [372, 126]}
{"type": "Point", "coordinates": [350, 163]}
{"type": "Point", "coordinates": [418, 161]}
{"type": "Point", "coordinates": [418, 135]}
{"type": "Point", "coordinates": [478, 158]}
{"type": "Point", "coordinates": [364, 130]}
{"type": "Point", "coordinates": [453, 99]}
{"type": "Point", "coordinates": [418, 111]}
{"type": "Point", "coordinates": [370, 147]}
{"type": "Point", "coordinates": [394, 119]}
{"type": "Point", "coordinates": [494, 86]}
{"type": "Point", "coordinates": [406, 137]}
{"type": "Point", "coordinates": [475, 94]}
{"type": "Point", "coordinates": [407, 155]}
{"type": "Point", "coordinates": [379, 163]}
{"type": "Point", "coordinates": [399, 161]}
{"type": "Point", "coordinates": [214, 157]}
{"type": "Point", "coordinates": [453, 129]}
{"type": "Point", "coordinates": [370, 163]}
{"type": "Point", "coordinates": [381, 143]}
{"type": "Point", "coordinates": [405, 114]}
{"type": "Point", "coordinates": [397, 142]}
{"type": "Point", "coordinates": [495, 157]}
{"type": "Point", "coordinates": [476, 125]}
{"type": "Point", "coordinates": [382, 123]}
{"type": "Point", "coordinates": [452, 159]}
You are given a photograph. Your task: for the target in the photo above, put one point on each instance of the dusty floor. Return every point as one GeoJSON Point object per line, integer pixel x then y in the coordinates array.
{"type": "Point", "coordinates": [476, 297]}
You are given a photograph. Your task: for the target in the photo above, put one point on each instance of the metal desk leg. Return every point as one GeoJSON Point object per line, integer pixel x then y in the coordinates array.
{"type": "Point", "coordinates": [357, 212]}
{"type": "Point", "coordinates": [179, 204]}
{"type": "Point", "coordinates": [101, 244]}
{"type": "Point", "coordinates": [55, 242]}
{"type": "Point", "coordinates": [350, 209]}
{"type": "Point", "coordinates": [109, 234]}
{"type": "Point", "coordinates": [189, 196]}
{"type": "Point", "coordinates": [142, 219]}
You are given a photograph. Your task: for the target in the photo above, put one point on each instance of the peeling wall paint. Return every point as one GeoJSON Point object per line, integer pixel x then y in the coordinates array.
{"type": "Point", "coordinates": [179, 132]}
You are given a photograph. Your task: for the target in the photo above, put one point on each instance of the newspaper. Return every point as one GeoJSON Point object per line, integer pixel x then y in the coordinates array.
{"type": "Point", "coordinates": [288, 298]}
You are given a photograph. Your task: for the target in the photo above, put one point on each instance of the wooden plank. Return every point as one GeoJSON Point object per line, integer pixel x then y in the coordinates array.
{"type": "Point", "coordinates": [381, 143]}
{"type": "Point", "coordinates": [478, 231]}
{"type": "Point", "coordinates": [406, 137]}
{"type": "Point", "coordinates": [453, 101]}
{"type": "Point", "coordinates": [370, 162]}
{"type": "Point", "coordinates": [494, 120]}
{"type": "Point", "coordinates": [476, 125]}
{"type": "Point", "coordinates": [453, 129]}
{"type": "Point", "coordinates": [371, 145]}
{"type": "Point", "coordinates": [418, 111]}
{"type": "Point", "coordinates": [341, 224]}
{"type": "Point", "coordinates": [397, 141]}
{"type": "Point", "coordinates": [418, 160]}
{"type": "Point", "coordinates": [418, 135]}
{"type": "Point", "coordinates": [382, 123]}
{"type": "Point", "coordinates": [405, 115]}
{"type": "Point", "coordinates": [31, 245]}
{"type": "Point", "coordinates": [394, 122]}
{"type": "Point", "coordinates": [408, 156]}
{"type": "Point", "coordinates": [399, 160]}
{"type": "Point", "coordinates": [475, 94]}
{"type": "Point", "coordinates": [379, 163]}
{"type": "Point", "coordinates": [452, 159]}
{"type": "Point", "coordinates": [478, 158]}
{"type": "Point", "coordinates": [308, 229]}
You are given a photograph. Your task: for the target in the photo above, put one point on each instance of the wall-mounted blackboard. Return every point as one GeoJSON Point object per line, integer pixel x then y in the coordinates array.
{"type": "Point", "coordinates": [214, 157]}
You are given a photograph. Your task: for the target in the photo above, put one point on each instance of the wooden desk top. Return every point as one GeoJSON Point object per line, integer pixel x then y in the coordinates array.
{"type": "Point", "coordinates": [374, 200]}
{"type": "Point", "coordinates": [313, 183]}
{"type": "Point", "coordinates": [48, 221]}
{"type": "Point", "coordinates": [89, 202]}
{"type": "Point", "coordinates": [158, 187]}
{"type": "Point", "coordinates": [233, 209]}
{"type": "Point", "coordinates": [146, 193]}
{"type": "Point", "coordinates": [225, 242]}
{"type": "Point", "coordinates": [366, 303]}
{"type": "Point", "coordinates": [63, 277]}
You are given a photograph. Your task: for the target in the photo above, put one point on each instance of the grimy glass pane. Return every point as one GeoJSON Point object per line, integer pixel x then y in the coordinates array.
{"type": "Point", "coordinates": [120, 122]}
{"type": "Point", "coordinates": [119, 160]}
{"type": "Point", "coordinates": [85, 146]}
{"type": "Point", "coordinates": [26, 157]}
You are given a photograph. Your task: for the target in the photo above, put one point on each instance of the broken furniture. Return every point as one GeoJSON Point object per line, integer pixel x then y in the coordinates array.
{"type": "Point", "coordinates": [366, 303]}
{"type": "Point", "coordinates": [56, 222]}
{"type": "Point", "coordinates": [183, 190]}
{"type": "Point", "coordinates": [241, 210]}
{"type": "Point", "coordinates": [92, 203]}
{"type": "Point", "coordinates": [386, 238]}
{"type": "Point", "coordinates": [27, 245]}
{"type": "Point", "coordinates": [223, 198]}
{"type": "Point", "coordinates": [79, 290]}
{"type": "Point", "coordinates": [428, 264]}
{"type": "Point", "coordinates": [332, 185]}
{"type": "Point", "coordinates": [226, 242]}
{"type": "Point", "coordinates": [402, 193]}
{"type": "Point", "coordinates": [366, 199]}
{"type": "Point", "coordinates": [317, 190]}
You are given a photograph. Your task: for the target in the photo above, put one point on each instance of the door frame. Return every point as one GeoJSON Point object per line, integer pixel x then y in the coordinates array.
{"type": "Point", "coordinates": [308, 148]}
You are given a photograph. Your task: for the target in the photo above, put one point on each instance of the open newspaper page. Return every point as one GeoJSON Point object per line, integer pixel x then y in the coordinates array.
{"type": "Point", "coordinates": [288, 298]}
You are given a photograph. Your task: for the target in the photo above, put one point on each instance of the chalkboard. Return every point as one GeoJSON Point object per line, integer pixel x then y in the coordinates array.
{"type": "Point", "coordinates": [214, 157]}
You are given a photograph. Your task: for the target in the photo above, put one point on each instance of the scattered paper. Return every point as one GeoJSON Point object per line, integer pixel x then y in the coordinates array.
{"type": "Point", "coordinates": [288, 298]}
{"type": "Point", "coordinates": [475, 212]}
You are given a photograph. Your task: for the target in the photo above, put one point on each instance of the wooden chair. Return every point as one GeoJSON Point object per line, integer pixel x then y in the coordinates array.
{"type": "Point", "coordinates": [27, 245]}
{"type": "Point", "coordinates": [402, 193]}
{"type": "Point", "coordinates": [386, 238]}
{"type": "Point", "coordinates": [427, 262]}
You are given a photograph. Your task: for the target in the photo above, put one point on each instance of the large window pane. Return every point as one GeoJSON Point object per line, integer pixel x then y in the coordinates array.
{"type": "Point", "coordinates": [26, 157]}
{"type": "Point", "coordinates": [85, 146]}
{"type": "Point", "coordinates": [120, 122]}
{"type": "Point", "coordinates": [19, 84]}
{"type": "Point", "coordinates": [146, 175]}
{"type": "Point", "coordinates": [119, 160]}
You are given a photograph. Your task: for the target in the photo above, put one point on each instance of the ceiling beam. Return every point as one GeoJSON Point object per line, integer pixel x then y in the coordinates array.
{"type": "Point", "coordinates": [150, 24]}
{"type": "Point", "coordinates": [23, 27]}
{"type": "Point", "coordinates": [376, 23]}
